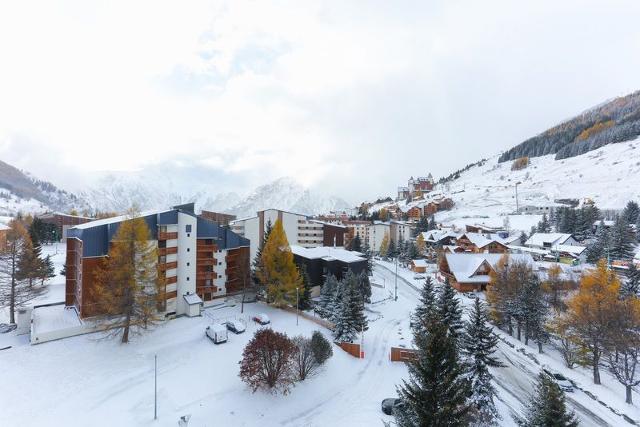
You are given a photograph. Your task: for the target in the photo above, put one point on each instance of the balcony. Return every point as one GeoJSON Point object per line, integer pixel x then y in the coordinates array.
{"type": "Point", "coordinates": [168, 251]}
{"type": "Point", "coordinates": [167, 235]}
{"type": "Point", "coordinates": [206, 261]}
{"type": "Point", "coordinates": [172, 279]}
{"type": "Point", "coordinates": [206, 275]}
{"type": "Point", "coordinates": [206, 248]}
{"type": "Point", "coordinates": [168, 266]}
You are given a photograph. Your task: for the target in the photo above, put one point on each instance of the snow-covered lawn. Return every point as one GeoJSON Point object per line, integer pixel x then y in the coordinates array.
{"type": "Point", "coordinates": [91, 381]}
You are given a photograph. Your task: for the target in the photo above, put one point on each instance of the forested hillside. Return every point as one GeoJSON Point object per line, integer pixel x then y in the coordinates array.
{"type": "Point", "coordinates": [615, 121]}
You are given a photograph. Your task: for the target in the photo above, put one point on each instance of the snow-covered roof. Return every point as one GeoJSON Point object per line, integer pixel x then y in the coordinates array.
{"type": "Point", "coordinates": [463, 266]}
{"type": "Point", "coordinates": [4, 227]}
{"type": "Point", "coordinates": [419, 262]}
{"type": "Point", "coordinates": [605, 222]}
{"type": "Point", "coordinates": [542, 239]}
{"type": "Point", "coordinates": [434, 236]}
{"type": "Point", "coordinates": [192, 299]}
{"type": "Point", "coordinates": [528, 250]}
{"type": "Point", "coordinates": [327, 253]}
{"type": "Point", "coordinates": [116, 219]}
{"type": "Point", "coordinates": [572, 249]}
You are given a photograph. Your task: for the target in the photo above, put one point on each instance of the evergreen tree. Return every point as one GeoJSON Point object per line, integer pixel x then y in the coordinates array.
{"type": "Point", "coordinates": [128, 285]}
{"type": "Point", "coordinates": [350, 319]}
{"type": "Point", "coordinates": [367, 254]}
{"type": "Point", "coordinates": [449, 312]}
{"type": "Point", "coordinates": [426, 308]}
{"type": "Point", "coordinates": [421, 226]}
{"type": "Point", "coordinates": [257, 261]}
{"type": "Point", "coordinates": [278, 271]}
{"type": "Point", "coordinates": [392, 250]}
{"type": "Point", "coordinates": [631, 286]}
{"type": "Point", "coordinates": [304, 293]}
{"type": "Point", "coordinates": [356, 243]}
{"type": "Point", "coordinates": [597, 250]}
{"type": "Point", "coordinates": [547, 406]}
{"type": "Point", "coordinates": [622, 240]}
{"type": "Point", "coordinates": [478, 345]}
{"type": "Point", "coordinates": [631, 212]}
{"type": "Point", "coordinates": [364, 286]}
{"type": "Point", "coordinates": [533, 312]}
{"type": "Point", "coordinates": [568, 221]}
{"type": "Point", "coordinates": [327, 292]}
{"type": "Point", "coordinates": [543, 225]}
{"type": "Point", "coordinates": [437, 391]}
{"type": "Point", "coordinates": [432, 223]}
{"type": "Point", "coordinates": [30, 267]}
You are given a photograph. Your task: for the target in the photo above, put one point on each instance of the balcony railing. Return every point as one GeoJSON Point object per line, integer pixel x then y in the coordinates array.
{"type": "Point", "coordinates": [168, 251]}
{"type": "Point", "coordinates": [172, 279]}
{"type": "Point", "coordinates": [167, 235]}
{"type": "Point", "coordinates": [206, 248]}
{"type": "Point", "coordinates": [206, 261]}
{"type": "Point", "coordinates": [206, 275]}
{"type": "Point", "coordinates": [168, 266]}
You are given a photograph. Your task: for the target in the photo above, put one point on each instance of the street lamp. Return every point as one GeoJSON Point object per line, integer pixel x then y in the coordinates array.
{"type": "Point", "coordinates": [517, 208]}
{"type": "Point", "coordinates": [297, 304]}
{"type": "Point", "coordinates": [396, 280]}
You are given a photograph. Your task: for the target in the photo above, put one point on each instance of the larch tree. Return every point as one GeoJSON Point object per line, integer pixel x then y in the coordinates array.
{"type": "Point", "coordinates": [129, 287]}
{"type": "Point", "coordinates": [478, 345]}
{"type": "Point", "coordinates": [590, 314]}
{"type": "Point", "coordinates": [623, 354]}
{"type": "Point", "coordinates": [257, 261]}
{"type": "Point", "coordinates": [421, 246]}
{"type": "Point", "coordinates": [279, 272]}
{"type": "Point", "coordinates": [384, 245]}
{"type": "Point", "coordinates": [15, 289]}
{"type": "Point", "coordinates": [554, 288]}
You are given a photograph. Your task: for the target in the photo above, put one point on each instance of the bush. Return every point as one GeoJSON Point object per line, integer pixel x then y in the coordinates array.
{"type": "Point", "coordinates": [321, 347]}
{"type": "Point", "coordinates": [268, 362]}
{"type": "Point", "coordinates": [304, 360]}
{"type": "Point", "coordinates": [520, 163]}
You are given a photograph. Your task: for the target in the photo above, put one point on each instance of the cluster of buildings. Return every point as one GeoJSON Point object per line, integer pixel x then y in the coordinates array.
{"type": "Point", "coordinates": [416, 188]}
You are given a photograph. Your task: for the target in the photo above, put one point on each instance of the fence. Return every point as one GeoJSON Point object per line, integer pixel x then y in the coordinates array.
{"type": "Point", "coordinates": [352, 349]}
{"type": "Point", "coordinates": [399, 354]}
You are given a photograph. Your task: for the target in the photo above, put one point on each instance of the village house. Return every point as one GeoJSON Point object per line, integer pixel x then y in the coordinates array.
{"type": "Point", "coordinates": [550, 240]}
{"type": "Point", "coordinates": [418, 266]}
{"type": "Point", "coordinates": [323, 261]}
{"type": "Point", "coordinates": [440, 238]}
{"type": "Point", "coordinates": [479, 243]}
{"type": "Point", "coordinates": [468, 272]}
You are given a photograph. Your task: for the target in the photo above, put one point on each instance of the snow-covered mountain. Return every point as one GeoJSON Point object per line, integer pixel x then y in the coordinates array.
{"type": "Point", "coordinates": [153, 189]}
{"type": "Point", "coordinates": [23, 192]}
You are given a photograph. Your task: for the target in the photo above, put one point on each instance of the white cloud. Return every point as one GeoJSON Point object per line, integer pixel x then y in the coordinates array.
{"type": "Point", "coordinates": [351, 96]}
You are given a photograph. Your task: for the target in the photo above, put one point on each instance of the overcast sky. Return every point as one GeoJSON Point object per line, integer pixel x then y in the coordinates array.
{"type": "Point", "coordinates": [349, 96]}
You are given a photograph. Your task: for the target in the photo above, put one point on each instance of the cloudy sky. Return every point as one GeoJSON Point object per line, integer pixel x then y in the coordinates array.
{"type": "Point", "coordinates": [348, 96]}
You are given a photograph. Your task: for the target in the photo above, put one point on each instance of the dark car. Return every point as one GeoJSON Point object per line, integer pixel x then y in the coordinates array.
{"type": "Point", "coordinates": [389, 405]}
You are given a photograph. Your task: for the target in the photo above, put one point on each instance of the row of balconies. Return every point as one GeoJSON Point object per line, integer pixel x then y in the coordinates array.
{"type": "Point", "coordinates": [167, 251]}
{"type": "Point", "coordinates": [166, 235]}
{"type": "Point", "coordinates": [167, 265]}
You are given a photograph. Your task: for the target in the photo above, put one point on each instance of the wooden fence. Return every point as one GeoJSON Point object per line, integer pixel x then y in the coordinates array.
{"type": "Point", "coordinates": [399, 354]}
{"type": "Point", "coordinates": [352, 349]}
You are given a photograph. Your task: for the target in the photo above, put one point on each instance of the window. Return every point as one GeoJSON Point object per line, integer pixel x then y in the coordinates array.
{"type": "Point", "coordinates": [188, 264]}
{"type": "Point", "coordinates": [187, 279]}
{"type": "Point", "coordinates": [188, 249]}
{"type": "Point", "coordinates": [188, 228]}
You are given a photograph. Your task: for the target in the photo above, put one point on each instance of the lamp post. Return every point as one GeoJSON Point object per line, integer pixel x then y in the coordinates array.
{"type": "Point", "coordinates": [517, 208]}
{"type": "Point", "coordinates": [155, 387]}
{"type": "Point", "coordinates": [297, 304]}
{"type": "Point", "coordinates": [396, 282]}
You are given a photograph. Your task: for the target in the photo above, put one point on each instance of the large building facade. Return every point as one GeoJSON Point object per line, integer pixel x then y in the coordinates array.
{"type": "Point", "coordinates": [196, 256]}
{"type": "Point", "coordinates": [300, 229]}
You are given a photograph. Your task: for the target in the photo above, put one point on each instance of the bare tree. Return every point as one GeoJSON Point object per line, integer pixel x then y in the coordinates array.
{"type": "Point", "coordinates": [304, 359]}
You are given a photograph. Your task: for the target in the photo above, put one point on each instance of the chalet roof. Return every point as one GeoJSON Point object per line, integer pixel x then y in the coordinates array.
{"type": "Point", "coordinates": [419, 262]}
{"type": "Point", "coordinates": [479, 239]}
{"type": "Point", "coordinates": [542, 239]}
{"type": "Point", "coordinates": [463, 266]}
{"type": "Point", "coordinates": [328, 253]}
{"type": "Point", "coordinates": [572, 249]}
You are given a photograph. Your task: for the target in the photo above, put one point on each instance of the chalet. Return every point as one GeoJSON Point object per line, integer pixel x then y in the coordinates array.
{"type": "Point", "coordinates": [418, 266]}
{"type": "Point", "coordinates": [479, 243]}
{"type": "Point", "coordinates": [567, 254]}
{"type": "Point", "coordinates": [322, 261]}
{"type": "Point", "coordinates": [482, 228]}
{"type": "Point", "coordinates": [469, 272]}
{"type": "Point", "coordinates": [439, 238]}
{"type": "Point", "coordinates": [430, 209]}
{"type": "Point", "coordinates": [549, 240]}
{"type": "Point", "coordinates": [414, 213]}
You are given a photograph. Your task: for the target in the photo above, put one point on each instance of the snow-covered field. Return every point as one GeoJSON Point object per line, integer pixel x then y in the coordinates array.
{"type": "Point", "coordinates": [88, 380]}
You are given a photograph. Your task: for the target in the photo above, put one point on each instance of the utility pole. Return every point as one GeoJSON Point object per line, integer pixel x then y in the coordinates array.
{"type": "Point", "coordinates": [297, 304]}
{"type": "Point", "coordinates": [396, 280]}
{"type": "Point", "coordinates": [155, 387]}
{"type": "Point", "coordinates": [517, 208]}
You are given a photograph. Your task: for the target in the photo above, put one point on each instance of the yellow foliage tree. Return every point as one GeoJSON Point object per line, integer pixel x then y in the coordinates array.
{"type": "Point", "coordinates": [384, 245]}
{"type": "Point", "coordinates": [128, 286]}
{"type": "Point", "coordinates": [420, 244]}
{"type": "Point", "coordinates": [554, 287]}
{"type": "Point", "coordinates": [279, 271]}
{"type": "Point", "coordinates": [384, 214]}
{"type": "Point", "coordinates": [591, 314]}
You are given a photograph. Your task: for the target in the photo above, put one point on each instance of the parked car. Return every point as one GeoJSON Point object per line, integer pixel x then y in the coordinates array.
{"type": "Point", "coordinates": [390, 404]}
{"type": "Point", "coordinates": [562, 381]}
{"type": "Point", "coordinates": [262, 319]}
{"type": "Point", "coordinates": [418, 277]}
{"type": "Point", "coordinates": [236, 326]}
{"type": "Point", "coordinates": [217, 333]}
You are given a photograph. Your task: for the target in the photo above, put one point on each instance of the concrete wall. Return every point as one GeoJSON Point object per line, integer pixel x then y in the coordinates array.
{"type": "Point", "coordinates": [186, 260]}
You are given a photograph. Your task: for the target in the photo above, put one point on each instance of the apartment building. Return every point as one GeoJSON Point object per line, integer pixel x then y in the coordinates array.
{"type": "Point", "coordinates": [358, 228]}
{"type": "Point", "coordinates": [200, 260]}
{"type": "Point", "coordinates": [300, 229]}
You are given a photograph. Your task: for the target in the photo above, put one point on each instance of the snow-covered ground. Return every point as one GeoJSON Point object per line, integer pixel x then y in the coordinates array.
{"type": "Point", "coordinates": [88, 380]}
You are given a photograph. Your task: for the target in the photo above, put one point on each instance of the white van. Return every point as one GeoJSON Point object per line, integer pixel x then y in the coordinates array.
{"type": "Point", "coordinates": [217, 333]}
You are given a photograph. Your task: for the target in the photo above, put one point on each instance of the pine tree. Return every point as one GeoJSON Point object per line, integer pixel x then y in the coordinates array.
{"type": "Point", "coordinates": [631, 212]}
{"type": "Point", "coordinates": [533, 312]}
{"type": "Point", "coordinates": [350, 319]}
{"type": "Point", "coordinates": [478, 345]}
{"type": "Point", "coordinates": [437, 391]}
{"type": "Point", "coordinates": [278, 271]}
{"type": "Point", "coordinates": [449, 312]}
{"type": "Point", "coordinates": [257, 261]}
{"type": "Point", "coordinates": [421, 226]}
{"type": "Point", "coordinates": [367, 254]}
{"type": "Point", "coordinates": [15, 290]}
{"type": "Point", "coordinates": [356, 243]}
{"type": "Point", "coordinates": [327, 292]}
{"type": "Point", "coordinates": [597, 250]}
{"type": "Point", "coordinates": [128, 285]}
{"type": "Point", "coordinates": [392, 250]}
{"type": "Point", "coordinates": [364, 286]}
{"type": "Point", "coordinates": [622, 240]}
{"type": "Point", "coordinates": [543, 225]}
{"type": "Point", "coordinates": [547, 406]}
{"type": "Point", "coordinates": [426, 308]}
{"type": "Point", "coordinates": [631, 286]}
{"type": "Point", "coordinates": [304, 293]}
{"type": "Point", "coordinates": [30, 266]}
